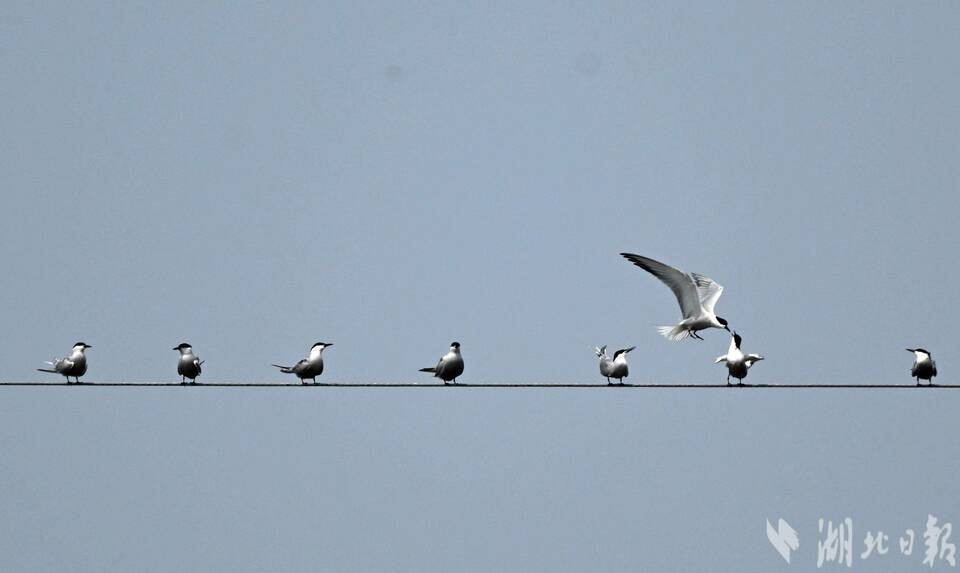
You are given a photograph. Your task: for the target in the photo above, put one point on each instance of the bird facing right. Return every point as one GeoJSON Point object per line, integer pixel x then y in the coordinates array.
{"type": "Point", "coordinates": [924, 367]}
{"type": "Point", "coordinates": [697, 295]}
{"type": "Point", "coordinates": [74, 365]}
{"type": "Point", "coordinates": [310, 367]}
{"type": "Point", "coordinates": [450, 365]}
{"type": "Point", "coordinates": [737, 362]}
{"type": "Point", "coordinates": [616, 367]}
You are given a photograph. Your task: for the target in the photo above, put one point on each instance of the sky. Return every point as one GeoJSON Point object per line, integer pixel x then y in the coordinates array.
{"type": "Point", "coordinates": [254, 177]}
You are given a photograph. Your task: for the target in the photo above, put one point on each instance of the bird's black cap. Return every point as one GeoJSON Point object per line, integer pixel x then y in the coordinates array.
{"type": "Point", "coordinates": [737, 339]}
{"type": "Point", "coordinates": [83, 344]}
{"type": "Point", "coordinates": [181, 346]}
{"type": "Point", "coordinates": [455, 344]}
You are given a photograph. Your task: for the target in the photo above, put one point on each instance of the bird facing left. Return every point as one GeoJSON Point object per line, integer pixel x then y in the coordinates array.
{"type": "Point", "coordinates": [189, 364]}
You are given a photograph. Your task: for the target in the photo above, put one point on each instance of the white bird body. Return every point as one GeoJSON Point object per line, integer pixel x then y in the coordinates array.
{"type": "Point", "coordinates": [924, 366]}
{"type": "Point", "coordinates": [614, 368]}
{"type": "Point", "coordinates": [450, 366]}
{"type": "Point", "coordinates": [738, 363]}
{"type": "Point", "coordinates": [188, 366]}
{"type": "Point", "coordinates": [696, 294]}
{"type": "Point", "coordinates": [605, 362]}
{"type": "Point", "coordinates": [74, 365]}
{"type": "Point", "coordinates": [311, 366]}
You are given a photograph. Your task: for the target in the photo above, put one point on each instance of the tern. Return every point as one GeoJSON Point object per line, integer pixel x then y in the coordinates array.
{"type": "Point", "coordinates": [696, 293]}
{"type": "Point", "coordinates": [738, 363]}
{"type": "Point", "coordinates": [615, 368]}
{"type": "Point", "coordinates": [924, 367]}
{"type": "Point", "coordinates": [310, 367]}
{"type": "Point", "coordinates": [75, 365]}
{"type": "Point", "coordinates": [450, 365]}
{"type": "Point", "coordinates": [189, 364]}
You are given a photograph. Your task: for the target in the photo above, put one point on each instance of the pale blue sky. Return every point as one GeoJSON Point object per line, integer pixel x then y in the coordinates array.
{"type": "Point", "coordinates": [254, 177]}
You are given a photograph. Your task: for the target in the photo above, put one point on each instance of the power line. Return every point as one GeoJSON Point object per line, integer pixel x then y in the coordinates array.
{"type": "Point", "coordinates": [508, 385]}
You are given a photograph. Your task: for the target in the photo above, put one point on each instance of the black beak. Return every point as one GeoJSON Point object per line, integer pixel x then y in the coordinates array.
{"type": "Point", "coordinates": [910, 350]}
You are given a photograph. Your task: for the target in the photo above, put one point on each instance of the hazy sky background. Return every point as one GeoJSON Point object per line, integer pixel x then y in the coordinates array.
{"type": "Point", "coordinates": [254, 177]}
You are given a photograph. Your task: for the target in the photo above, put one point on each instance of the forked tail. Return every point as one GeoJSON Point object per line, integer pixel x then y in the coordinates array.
{"type": "Point", "coordinates": [674, 333]}
{"type": "Point", "coordinates": [284, 369]}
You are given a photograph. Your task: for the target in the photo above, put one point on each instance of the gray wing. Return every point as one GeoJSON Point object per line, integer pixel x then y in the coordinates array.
{"type": "Point", "coordinates": [299, 367]}
{"type": "Point", "coordinates": [62, 364]}
{"type": "Point", "coordinates": [708, 290]}
{"type": "Point", "coordinates": [682, 284]}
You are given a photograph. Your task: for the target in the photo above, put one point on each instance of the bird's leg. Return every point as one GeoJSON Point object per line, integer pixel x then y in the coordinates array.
{"type": "Point", "coordinates": [609, 383]}
{"type": "Point", "coordinates": [728, 380]}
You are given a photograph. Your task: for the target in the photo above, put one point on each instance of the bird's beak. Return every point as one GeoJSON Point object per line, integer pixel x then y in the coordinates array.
{"type": "Point", "coordinates": [910, 350]}
{"type": "Point", "coordinates": [727, 328]}
{"type": "Point", "coordinates": [328, 344]}
{"type": "Point", "coordinates": [175, 348]}
{"type": "Point", "coordinates": [87, 346]}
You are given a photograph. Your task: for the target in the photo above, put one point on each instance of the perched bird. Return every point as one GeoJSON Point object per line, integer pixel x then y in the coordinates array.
{"type": "Point", "coordinates": [310, 367]}
{"type": "Point", "coordinates": [450, 365]}
{"type": "Point", "coordinates": [75, 365]}
{"type": "Point", "coordinates": [738, 363]}
{"type": "Point", "coordinates": [605, 362]}
{"type": "Point", "coordinates": [696, 293]}
{"type": "Point", "coordinates": [615, 368]}
{"type": "Point", "coordinates": [189, 364]}
{"type": "Point", "coordinates": [924, 367]}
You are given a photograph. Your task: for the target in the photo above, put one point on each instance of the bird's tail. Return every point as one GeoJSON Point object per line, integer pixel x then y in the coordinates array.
{"type": "Point", "coordinates": [600, 350]}
{"type": "Point", "coordinates": [47, 370]}
{"type": "Point", "coordinates": [674, 333]}
{"type": "Point", "coordinates": [431, 370]}
{"type": "Point", "coordinates": [201, 363]}
{"type": "Point", "coordinates": [284, 369]}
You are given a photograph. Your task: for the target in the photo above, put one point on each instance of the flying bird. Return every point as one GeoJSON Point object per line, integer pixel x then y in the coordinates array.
{"type": "Point", "coordinates": [738, 363]}
{"type": "Point", "coordinates": [75, 365]}
{"type": "Point", "coordinates": [924, 367]}
{"type": "Point", "coordinates": [696, 293]}
{"type": "Point", "coordinates": [450, 365]}
{"type": "Point", "coordinates": [311, 366]}
{"type": "Point", "coordinates": [189, 364]}
{"type": "Point", "coordinates": [616, 367]}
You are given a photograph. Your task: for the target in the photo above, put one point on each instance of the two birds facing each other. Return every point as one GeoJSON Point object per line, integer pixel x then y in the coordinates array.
{"type": "Point", "coordinates": [697, 296]}
{"type": "Point", "coordinates": [736, 361]}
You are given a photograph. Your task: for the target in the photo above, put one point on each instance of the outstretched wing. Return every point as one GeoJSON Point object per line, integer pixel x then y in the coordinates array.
{"type": "Point", "coordinates": [681, 283]}
{"type": "Point", "coordinates": [708, 290]}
